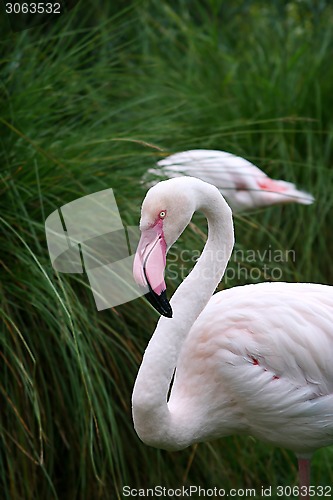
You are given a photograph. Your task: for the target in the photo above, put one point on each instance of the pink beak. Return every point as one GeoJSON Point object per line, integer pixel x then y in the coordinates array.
{"type": "Point", "coordinates": [148, 268]}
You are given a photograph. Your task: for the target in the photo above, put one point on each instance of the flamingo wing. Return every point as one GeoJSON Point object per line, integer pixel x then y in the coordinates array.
{"type": "Point", "coordinates": [267, 349]}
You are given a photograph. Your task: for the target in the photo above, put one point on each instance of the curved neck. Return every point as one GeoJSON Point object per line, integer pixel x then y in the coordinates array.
{"type": "Point", "coordinates": [152, 418]}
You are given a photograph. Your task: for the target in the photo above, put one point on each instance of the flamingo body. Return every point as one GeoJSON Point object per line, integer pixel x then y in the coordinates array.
{"type": "Point", "coordinates": [244, 185]}
{"type": "Point", "coordinates": [253, 359]}
{"type": "Point", "coordinates": [256, 363]}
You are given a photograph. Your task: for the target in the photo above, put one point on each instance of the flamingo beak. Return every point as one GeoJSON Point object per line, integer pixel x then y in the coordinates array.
{"type": "Point", "coordinates": [148, 268]}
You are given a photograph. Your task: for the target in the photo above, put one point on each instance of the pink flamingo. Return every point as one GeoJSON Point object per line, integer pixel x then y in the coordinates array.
{"type": "Point", "coordinates": [253, 359]}
{"type": "Point", "coordinates": [244, 185]}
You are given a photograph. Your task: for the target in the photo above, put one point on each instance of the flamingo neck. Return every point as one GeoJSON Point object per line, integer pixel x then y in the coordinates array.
{"type": "Point", "coordinates": [153, 421]}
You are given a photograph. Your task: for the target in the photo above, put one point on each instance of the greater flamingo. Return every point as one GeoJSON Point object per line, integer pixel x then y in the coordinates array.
{"type": "Point", "coordinates": [253, 359]}
{"type": "Point", "coordinates": [244, 185]}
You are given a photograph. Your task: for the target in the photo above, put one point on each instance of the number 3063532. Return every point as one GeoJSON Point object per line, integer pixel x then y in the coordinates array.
{"type": "Point", "coordinates": [33, 8]}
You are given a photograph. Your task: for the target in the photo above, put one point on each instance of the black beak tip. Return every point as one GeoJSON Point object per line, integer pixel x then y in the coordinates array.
{"type": "Point", "coordinates": [160, 303]}
{"type": "Point", "coordinates": [168, 312]}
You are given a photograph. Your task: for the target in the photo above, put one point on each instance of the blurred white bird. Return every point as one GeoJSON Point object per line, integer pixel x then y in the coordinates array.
{"type": "Point", "coordinates": [254, 359]}
{"type": "Point", "coordinates": [244, 185]}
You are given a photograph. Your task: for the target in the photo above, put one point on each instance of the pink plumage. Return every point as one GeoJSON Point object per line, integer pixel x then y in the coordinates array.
{"type": "Point", "coordinates": [253, 359]}
{"type": "Point", "coordinates": [243, 184]}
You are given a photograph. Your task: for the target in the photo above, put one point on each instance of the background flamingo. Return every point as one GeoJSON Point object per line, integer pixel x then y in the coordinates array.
{"type": "Point", "coordinates": [253, 359]}
{"type": "Point", "coordinates": [244, 185]}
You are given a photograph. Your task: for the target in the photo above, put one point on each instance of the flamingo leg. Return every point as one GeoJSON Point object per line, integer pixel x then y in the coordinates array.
{"type": "Point", "coordinates": [304, 477]}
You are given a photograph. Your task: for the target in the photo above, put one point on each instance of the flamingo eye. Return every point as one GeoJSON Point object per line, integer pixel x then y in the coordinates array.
{"type": "Point", "coordinates": [162, 214]}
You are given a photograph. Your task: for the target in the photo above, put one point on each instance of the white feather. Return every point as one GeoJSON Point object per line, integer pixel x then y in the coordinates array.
{"type": "Point", "coordinates": [243, 184]}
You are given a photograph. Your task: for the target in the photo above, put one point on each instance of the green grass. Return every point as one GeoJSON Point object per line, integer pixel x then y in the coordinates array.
{"type": "Point", "coordinates": [90, 103]}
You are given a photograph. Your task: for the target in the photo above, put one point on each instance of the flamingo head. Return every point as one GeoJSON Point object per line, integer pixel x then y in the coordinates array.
{"type": "Point", "coordinates": [166, 211]}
